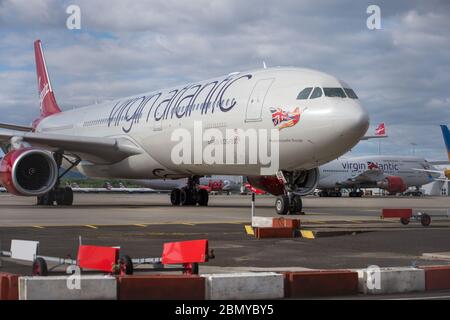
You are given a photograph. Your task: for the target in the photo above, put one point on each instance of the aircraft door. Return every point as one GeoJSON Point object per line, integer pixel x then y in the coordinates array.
{"type": "Point", "coordinates": [256, 101]}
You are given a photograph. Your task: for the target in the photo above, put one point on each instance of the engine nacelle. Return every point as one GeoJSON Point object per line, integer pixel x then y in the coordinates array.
{"type": "Point", "coordinates": [392, 184]}
{"type": "Point", "coordinates": [28, 172]}
{"type": "Point", "coordinates": [305, 183]}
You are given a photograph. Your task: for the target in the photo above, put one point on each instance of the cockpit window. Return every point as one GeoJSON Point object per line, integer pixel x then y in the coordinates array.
{"type": "Point", "coordinates": [304, 94]}
{"type": "Point", "coordinates": [350, 93]}
{"type": "Point", "coordinates": [334, 92]}
{"type": "Point", "coordinates": [316, 93]}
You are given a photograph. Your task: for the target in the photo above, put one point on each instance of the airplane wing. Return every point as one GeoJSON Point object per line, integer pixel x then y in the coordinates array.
{"type": "Point", "coordinates": [428, 170]}
{"type": "Point", "coordinates": [368, 176]}
{"type": "Point", "coordinates": [96, 150]}
{"type": "Point", "coordinates": [373, 137]}
{"type": "Point", "coordinates": [15, 127]}
{"type": "Point", "coordinates": [440, 162]}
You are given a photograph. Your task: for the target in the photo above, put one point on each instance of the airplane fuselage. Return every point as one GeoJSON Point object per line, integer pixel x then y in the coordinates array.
{"type": "Point", "coordinates": [327, 127]}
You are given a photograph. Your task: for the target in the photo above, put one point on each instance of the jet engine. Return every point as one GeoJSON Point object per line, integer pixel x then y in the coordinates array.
{"type": "Point", "coordinates": [393, 184]}
{"type": "Point", "coordinates": [28, 172]}
{"type": "Point", "coordinates": [303, 183]}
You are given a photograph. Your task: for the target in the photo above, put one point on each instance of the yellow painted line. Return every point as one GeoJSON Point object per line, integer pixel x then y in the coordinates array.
{"type": "Point", "coordinates": [38, 227]}
{"type": "Point", "coordinates": [188, 224]}
{"type": "Point", "coordinates": [315, 221]}
{"type": "Point", "coordinates": [249, 230]}
{"type": "Point", "coordinates": [140, 225]}
{"type": "Point", "coordinates": [308, 234]}
{"type": "Point", "coordinates": [91, 226]}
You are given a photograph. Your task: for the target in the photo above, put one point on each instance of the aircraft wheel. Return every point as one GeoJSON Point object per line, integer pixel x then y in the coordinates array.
{"type": "Point", "coordinates": [39, 267]}
{"type": "Point", "coordinates": [186, 197]}
{"type": "Point", "coordinates": [64, 196]}
{"type": "Point", "coordinates": [175, 197]}
{"type": "Point", "coordinates": [203, 197]}
{"type": "Point", "coordinates": [40, 201]}
{"type": "Point", "coordinates": [296, 205]}
{"type": "Point", "coordinates": [339, 194]}
{"type": "Point", "coordinates": [425, 220]}
{"type": "Point", "coordinates": [47, 199]}
{"type": "Point", "coordinates": [282, 205]}
{"type": "Point", "coordinates": [68, 196]}
{"type": "Point", "coordinates": [404, 221]}
{"type": "Point", "coordinates": [125, 265]}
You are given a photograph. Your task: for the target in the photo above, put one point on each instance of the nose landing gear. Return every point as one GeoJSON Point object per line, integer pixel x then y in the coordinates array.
{"type": "Point", "coordinates": [289, 203]}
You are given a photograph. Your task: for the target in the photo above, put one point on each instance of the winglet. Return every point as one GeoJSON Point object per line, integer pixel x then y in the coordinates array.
{"type": "Point", "coordinates": [47, 99]}
{"type": "Point", "coordinates": [446, 134]}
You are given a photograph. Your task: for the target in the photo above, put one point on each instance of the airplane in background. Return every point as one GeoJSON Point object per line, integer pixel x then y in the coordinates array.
{"type": "Point", "coordinates": [318, 118]}
{"type": "Point", "coordinates": [445, 172]}
{"type": "Point", "coordinates": [395, 174]}
{"type": "Point", "coordinates": [225, 184]}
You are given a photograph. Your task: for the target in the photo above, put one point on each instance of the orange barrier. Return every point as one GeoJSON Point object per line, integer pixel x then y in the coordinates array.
{"type": "Point", "coordinates": [161, 287]}
{"type": "Point", "coordinates": [9, 286]}
{"type": "Point", "coordinates": [320, 283]}
{"type": "Point", "coordinates": [286, 223]}
{"type": "Point", "coordinates": [436, 277]}
{"type": "Point", "coordinates": [396, 213]}
{"type": "Point", "coordinates": [274, 233]}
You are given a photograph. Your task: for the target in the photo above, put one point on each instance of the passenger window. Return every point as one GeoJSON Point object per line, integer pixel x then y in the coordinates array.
{"type": "Point", "coordinates": [350, 93]}
{"type": "Point", "coordinates": [334, 92]}
{"type": "Point", "coordinates": [317, 93]}
{"type": "Point", "coordinates": [304, 94]}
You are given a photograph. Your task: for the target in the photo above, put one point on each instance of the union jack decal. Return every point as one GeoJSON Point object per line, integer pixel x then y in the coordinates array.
{"type": "Point", "coordinates": [284, 119]}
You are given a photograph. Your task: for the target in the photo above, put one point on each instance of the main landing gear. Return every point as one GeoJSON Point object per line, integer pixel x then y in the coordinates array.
{"type": "Point", "coordinates": [190, 195]}
{"type": "Point", "coordinates": [330, 193]}
{"type": "Point", "coordinates": [63, 196]}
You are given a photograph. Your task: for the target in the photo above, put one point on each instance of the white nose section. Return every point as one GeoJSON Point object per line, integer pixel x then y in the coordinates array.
{"type": "Point", "coordinates": [353, 122]}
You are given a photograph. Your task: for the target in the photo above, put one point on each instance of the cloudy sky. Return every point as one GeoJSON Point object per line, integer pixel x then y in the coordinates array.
{"type": "Point", "coordinates": [124, 47]}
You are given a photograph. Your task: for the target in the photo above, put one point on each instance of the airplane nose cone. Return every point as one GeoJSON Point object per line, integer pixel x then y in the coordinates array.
{"type": "Point", "coordinates": [348, 121]}
{"type": "Point", "coordinates": [352, 122]}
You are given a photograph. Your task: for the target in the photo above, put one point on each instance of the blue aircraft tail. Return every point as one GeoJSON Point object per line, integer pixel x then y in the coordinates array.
{"type": "Point", "coordinates": [446, 134]}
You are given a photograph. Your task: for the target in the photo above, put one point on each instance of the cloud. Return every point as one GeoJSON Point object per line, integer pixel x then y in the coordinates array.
{"type": "Point", "coordinates": [401, 72]}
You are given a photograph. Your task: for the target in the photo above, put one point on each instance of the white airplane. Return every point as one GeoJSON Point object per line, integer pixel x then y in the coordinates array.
{"type": "Point", "coordinates": [392, 173]}
{"type": "Point", "coordinates": [318, 118]}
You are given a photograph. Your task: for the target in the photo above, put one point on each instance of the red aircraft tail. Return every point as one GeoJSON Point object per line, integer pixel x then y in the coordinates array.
{"type": "Point", "coordinates": [47, 99]}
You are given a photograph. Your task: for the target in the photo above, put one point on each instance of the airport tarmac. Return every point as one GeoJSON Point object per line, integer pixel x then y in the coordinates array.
{"type": "Point", "coordinates": [350, 233]}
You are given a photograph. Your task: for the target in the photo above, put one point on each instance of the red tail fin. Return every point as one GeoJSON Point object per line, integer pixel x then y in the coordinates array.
{"type": "Point", "coordinates": [46, 97]}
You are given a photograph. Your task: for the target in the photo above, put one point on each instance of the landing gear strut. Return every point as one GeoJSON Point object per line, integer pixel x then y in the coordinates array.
{"type": "Point", "coordinates": [63, 196]}
{"type": "Point", "coordinates": [190, 195]}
